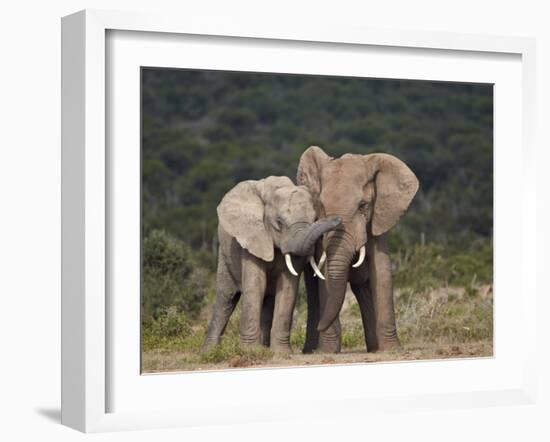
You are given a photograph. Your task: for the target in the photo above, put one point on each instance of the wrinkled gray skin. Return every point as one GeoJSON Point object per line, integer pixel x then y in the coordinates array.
{"type": "Point", "coordinates": [369, 193]}
{"type": "Point", "coordinates": [260, 222]}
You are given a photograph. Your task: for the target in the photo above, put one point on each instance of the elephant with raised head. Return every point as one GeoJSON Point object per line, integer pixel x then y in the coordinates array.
{"type": "Point", "coordinates": [266, 231]}
{"type": "Point", "coordinates": [369, 193]}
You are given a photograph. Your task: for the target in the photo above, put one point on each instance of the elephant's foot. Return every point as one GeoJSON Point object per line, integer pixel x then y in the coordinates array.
{"type": "Point", "coordinates": [325, 348]}
{"type": "Point", "coordinates": [209, 344]}
{"type": "Point", "coordinates": [250, 336]}
{"type": "Point", "coordinates": [280, 344]}
{"type": "Point", "coordinates": [329, 344]}
{"type": "Point", "coordinates": [281, 350]}
{"type": "Point", "coordinates": [388, 344]}
{"type": "Point", "coordinates": [251, 344]}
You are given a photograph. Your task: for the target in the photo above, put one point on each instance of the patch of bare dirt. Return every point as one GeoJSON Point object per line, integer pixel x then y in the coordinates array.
{"type": "Point", "coordinates": [155, 362]}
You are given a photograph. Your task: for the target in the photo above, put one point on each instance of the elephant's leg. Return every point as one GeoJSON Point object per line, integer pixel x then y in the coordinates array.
{"type": "Point", "coordinates": [364, 298]}
{"type": "Point", "coordinates": [285, 300]}
{"type": "Point", "coordinates": [223, 308]}
{"type": "Point", "coordinates": [312, 290]}
{"type": "Point", "coordinates": [267, 319]}
{"type": "Point", "coordinates": [253, 280]}
{"type": "Point", "coordinates": [382, 294]}
{"type": "Point", "coordinates": [330, 340]}
{"type": "Point", "coordinates": [227, 297]}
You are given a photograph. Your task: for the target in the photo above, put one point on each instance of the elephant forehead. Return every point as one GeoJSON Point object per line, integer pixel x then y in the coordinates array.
{"type": "Point", "coordinates": [293, 195]}
{"type": "Point", "coordinates": [297, 202]}
{"type": "Point", "coordinates": [343, 183]}
{"type": "Point", "coordinates": [346, 170]}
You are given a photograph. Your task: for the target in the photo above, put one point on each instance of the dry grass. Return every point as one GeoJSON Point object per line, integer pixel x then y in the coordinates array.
{"type": "Point", "coordinates": [443, 323]}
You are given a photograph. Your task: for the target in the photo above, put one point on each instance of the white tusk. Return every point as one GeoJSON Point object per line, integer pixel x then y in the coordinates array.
{"type": "Point", "coordinates": [322, 260]}
{"type": "Point", "coordinates": [361, 257]}
{"type": "Point", "coordinates": [315, 268]}
{"type": "Point", "coordinates": [288, 261]}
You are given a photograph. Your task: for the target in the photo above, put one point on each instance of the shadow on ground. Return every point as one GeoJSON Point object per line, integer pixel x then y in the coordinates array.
{"type": "Point", "coordinates": [51, 414]}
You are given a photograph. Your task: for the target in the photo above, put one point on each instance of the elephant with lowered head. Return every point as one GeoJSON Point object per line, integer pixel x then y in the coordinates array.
{"type": "Point", "coordinates": [266, 231]}
{"type": "Point", "coordinates": [369, 193]}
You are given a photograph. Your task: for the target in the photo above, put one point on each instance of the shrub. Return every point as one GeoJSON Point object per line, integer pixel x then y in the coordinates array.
{"type": "Point", "coordinates": [171, 278]}
{"type": "Point", "coordinates": [170, 322]}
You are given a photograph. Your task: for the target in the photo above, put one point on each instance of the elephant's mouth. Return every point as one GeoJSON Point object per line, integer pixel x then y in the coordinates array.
{"type": "Point", "coordinates": [303, 241]}
{"type": "Point", "coordinates": [322, 260]}
{"type": "Point", "coordinates": [311, 260]}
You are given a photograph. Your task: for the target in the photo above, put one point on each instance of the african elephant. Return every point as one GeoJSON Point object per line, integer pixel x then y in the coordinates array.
{"type": "Point", "coordinates": [369, 193]}
{"type": "Point", "coordinates": [266, 230]}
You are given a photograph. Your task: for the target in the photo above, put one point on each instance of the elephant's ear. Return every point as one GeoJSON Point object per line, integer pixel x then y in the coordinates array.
{"type": "Point", "coordinates": [395, 185]}
{"type": "Point", "coordinates": [241, 214]}
{"type": "Point", "coordinates": [309, 169]}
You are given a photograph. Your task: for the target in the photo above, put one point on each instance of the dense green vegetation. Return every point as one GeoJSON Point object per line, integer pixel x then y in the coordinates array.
{"type": "Point", "coordinates": [204, 131]}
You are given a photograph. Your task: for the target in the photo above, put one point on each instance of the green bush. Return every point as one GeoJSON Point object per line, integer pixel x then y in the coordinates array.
{"type": "Point", "coordinates": [170, 322]}
{"type": "Point", "coordinates": [171, 278]}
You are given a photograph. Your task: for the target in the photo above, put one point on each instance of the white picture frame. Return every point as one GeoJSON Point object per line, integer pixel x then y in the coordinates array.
{"type": "Point", "coordinates": [86, 204]}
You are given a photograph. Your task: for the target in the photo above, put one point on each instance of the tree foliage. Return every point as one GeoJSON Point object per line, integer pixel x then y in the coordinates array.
{"type": "Point", "coordinates": [173, 285]}
{"type": "Point", "coordinates": [204, 131]}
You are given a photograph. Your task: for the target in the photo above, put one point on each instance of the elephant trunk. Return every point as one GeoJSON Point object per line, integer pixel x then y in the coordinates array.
{"type": "Point", "coordinates": [303, 241]}
{"type": "Point", "coordinates": [340, 252]}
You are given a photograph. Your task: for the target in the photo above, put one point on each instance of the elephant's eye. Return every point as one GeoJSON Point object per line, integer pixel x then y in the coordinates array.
{"type": "Point", "coordinates": [278, 223]}
{"type": "Point", "coordinates": [363, 204]}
